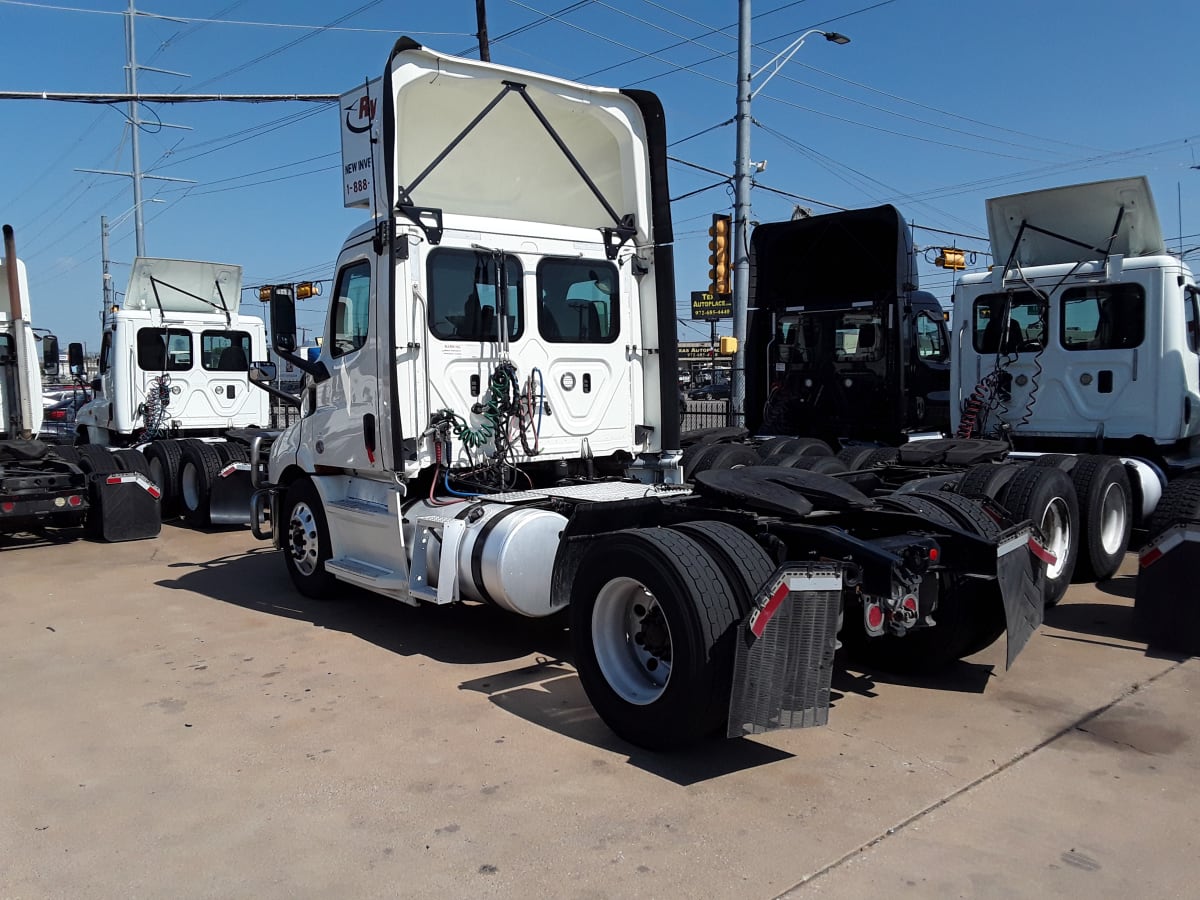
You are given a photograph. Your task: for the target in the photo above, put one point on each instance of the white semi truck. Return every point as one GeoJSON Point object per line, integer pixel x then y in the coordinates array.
{"type": "Point", "coordinates": [492, 419]}
{"type": "Point", "coordinates": [49, 487]}
{"type": "Point", "coordinates": [174, 383]}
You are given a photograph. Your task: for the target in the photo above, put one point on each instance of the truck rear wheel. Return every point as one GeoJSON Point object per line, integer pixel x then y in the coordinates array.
{"type": "Point", "coordinates": [1045, 495]}
{"type": "Point", "coordinates": [824, 465]}
{"type": "Point", "coordinates": [985, 480]}
{"type": "Point", "coordinates": [653, 624]}
{"type": "Point", "coordinates": [1180, 503]}
{"type": "Point", "coordinates": [199, 469]}
{"type": "Point", "coordinates": [746, 565]}
{"type": "Point", "coordinates": [775, 449]}
{"type": "Point", "coordinates": [855, 457]}
{"type": "Point", "coordinates": [1105, 508]}
{"type": "Point", "coordinates": [723, 456]}
{"type": "Point", "coordinates": [96, 460]}
{"type": "Point", "coordinates": [131, 461]}
{"type": "Point", "coordinates": [165, 458]}
{"type": "Point", "coordinates": [306, 544]}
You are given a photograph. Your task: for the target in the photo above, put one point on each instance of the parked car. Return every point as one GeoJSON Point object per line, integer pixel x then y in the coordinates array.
{"type": "Point", "coordinates": [58, 419]}
{"type": "Point", "coordinates": [718, 391]}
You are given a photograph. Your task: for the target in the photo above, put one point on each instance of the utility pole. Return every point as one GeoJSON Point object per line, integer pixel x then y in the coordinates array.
{"type": "Point", "coordinates": [134, 129]}
{"type": "Point", "coordinates": [485, 52]}
{"type": "Point", "coordinates": [741, 219]}
{"type": "Point", "coordinates": [107, 278]}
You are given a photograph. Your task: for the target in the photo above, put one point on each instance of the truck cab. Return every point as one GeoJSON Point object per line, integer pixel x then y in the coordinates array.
{"type": "Point", "coordinates": [1086, 334]}
{"type": "Point", "coordinates": [841, 343]}
{"type": "Point", "coordinates": [174, 357]}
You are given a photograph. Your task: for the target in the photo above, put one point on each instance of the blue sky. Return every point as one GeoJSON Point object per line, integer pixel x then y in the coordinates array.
{"type": "Point", "coordinates": [933, 106]}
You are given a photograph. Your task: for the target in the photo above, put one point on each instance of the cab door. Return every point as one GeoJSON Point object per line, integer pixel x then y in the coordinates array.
{"type": "Point", "coordinates": [343, 427]}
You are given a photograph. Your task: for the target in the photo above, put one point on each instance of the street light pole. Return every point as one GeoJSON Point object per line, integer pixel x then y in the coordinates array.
{"type": "Point", "coordinates": [741, 219]}
{"type": "Point", "coordinates": [742, 169]}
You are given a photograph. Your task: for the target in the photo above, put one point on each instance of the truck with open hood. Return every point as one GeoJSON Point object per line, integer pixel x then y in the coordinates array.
{"type": "Point", "coordinates": [492, 418]}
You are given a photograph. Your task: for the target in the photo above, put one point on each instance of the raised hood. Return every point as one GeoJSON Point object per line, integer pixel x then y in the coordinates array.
{"type": "Point", "coordinates": [1083, 220]}
{"type": "Point", "coordinates": [506, 162]}
{"type": "Point", "coordinates": [839, 258]}
{"type": "Point", "coordinates": [184, 286]}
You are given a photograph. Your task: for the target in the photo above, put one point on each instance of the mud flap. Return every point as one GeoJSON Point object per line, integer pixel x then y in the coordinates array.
{"type": "Point", "coordinates": [1166, 608]}
{"type": "Point", "coordinates": [1021, 583]}
{"type": "Point", "coordinates": [229, 497]}
{"type": "Point", "coordinates": [123, 507]}
{"type": "Point", "coordinates": [783, 663]}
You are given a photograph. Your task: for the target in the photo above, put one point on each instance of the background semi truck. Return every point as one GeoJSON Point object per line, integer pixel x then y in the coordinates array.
{"type": "Point", "coordinates": [493, 419]}
{"type": "Point", "coordinates": [174, 383]}
{"type": "Point", "coordinates": [40, 487]}
{"type": "Point", "coordinates": [1076, 356]}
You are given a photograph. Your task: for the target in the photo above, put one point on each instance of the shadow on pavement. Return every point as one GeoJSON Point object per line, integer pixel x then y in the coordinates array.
{"type": "Point", "coordinates": [851, 677]}
{"type": "Point", "coordinates": [462, 633]}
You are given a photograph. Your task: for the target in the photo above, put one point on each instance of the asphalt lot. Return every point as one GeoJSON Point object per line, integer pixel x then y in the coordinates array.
{"type": "Point", "coordinates": [178, 722]}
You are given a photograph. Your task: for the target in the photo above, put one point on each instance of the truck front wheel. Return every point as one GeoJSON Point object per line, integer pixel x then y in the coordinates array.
{"type": "Point", "coordinates": [653, 622]}
{"type": "Point", "coordinates": [306, 544]}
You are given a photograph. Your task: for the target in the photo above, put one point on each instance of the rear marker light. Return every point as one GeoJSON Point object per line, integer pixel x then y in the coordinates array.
{"type": "Point", "coordinates": [7, 507]}
{"type": "Point", "coordinates": [933, 554]}
{"type": "Point", "coordinates": [74, 500]}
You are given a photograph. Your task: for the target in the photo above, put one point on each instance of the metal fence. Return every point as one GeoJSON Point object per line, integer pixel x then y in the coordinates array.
{"type": "Point", "coordinates": [696, 414]}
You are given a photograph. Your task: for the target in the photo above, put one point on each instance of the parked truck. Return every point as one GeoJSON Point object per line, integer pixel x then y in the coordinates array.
{"type": "Point", "coordinates": [174, 384]}
{"type": "Point", "coordinates": [42, 488]}
{"type": "Point", "coordinates": [1075, 360]}
{"type": "Point", "coordinates": [493, 419]}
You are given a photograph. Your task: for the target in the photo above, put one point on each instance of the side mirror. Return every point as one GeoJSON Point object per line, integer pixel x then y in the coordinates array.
{"type": "Point", "coordinates": [50, 355]}
{"type": "Point", "coordinates": [263, 372]}
{"type": "Point", "coordinates": [75, 358]}
{"type": "Point", "coordinates": [283, 319]}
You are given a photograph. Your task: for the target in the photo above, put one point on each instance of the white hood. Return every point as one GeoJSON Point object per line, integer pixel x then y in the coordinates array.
{"type": "Point", "coordinates": [184, 286]}
{"type": "Point", "coordinates": [1082, 212]}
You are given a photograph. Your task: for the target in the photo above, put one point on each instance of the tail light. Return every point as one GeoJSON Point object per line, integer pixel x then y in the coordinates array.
{"type": "Point", "coordinates": [57, 414]}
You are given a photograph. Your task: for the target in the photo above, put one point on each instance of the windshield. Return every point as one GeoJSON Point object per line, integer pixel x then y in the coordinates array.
{"type": "Point", "coordinates": [830, 336]}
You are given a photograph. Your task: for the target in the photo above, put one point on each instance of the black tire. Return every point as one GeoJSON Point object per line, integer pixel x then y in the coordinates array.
{"type": "Point", "coordinates": [1180, 503]}
{"type": "Point", "coordinates": [306, 544]}
{"type": "Point", "coordinates": [986, 480]}
{"type": "Point", "coordinates": [1064, 461]}
{"type": "Point", "coordinates": [825, 465]}
{"type": "Point", "coordinates": [745, 564]}
{"type": "Point", "coordinates": [792, 446]}
{"type": "Point", "coordinates": [880, 457]}
{"type": "Point", "coordinates": [1045, 495]}
{"type": "Point", "coordinates": [165, 459]}
{"type": "Point", "coordinates": [232, 451]}
{"type": "Point", "coordinates": [688, 626]}
{"type": "Point", "coordinates": [132, 461]}
{"type": "Point", "coordinates": [969, 614]}
{"type": "Point", "coordinates": [933, 483]}
{"type": "Point", "coordinates": [855, 457]}
{"type": "Point", "coordinates": [1106, 511]}
{"type": "Point", "coordinates": [723, 456]}
{"type": "Point", "coordinates": [97, 460]}
{"type": "Point", "coordinates": [200, 467]}
{"type": "Point", "coordinates": [67, 453]}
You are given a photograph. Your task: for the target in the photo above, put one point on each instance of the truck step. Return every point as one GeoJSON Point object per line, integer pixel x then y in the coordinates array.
{"type": "Point", "coordinates": [356, 508]}
{"type": "Point", "coordinates": [367, 575]}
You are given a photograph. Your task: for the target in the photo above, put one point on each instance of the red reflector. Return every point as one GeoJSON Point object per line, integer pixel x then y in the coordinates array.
{"type": "Point", "coordinates": [57, 414]}
{"type": "Point", "coordinates": [154, 492]}
{"type": "Point", "coordinates": [113, 479]}
{"type": "Point", "coordinates": [760, 618]}
{"type": "Point", "coordinates": [74, 500]}
{"type": "Point", "coordinates": [7, 507]}
{"type": "Point", "coordinates": [1046, 556]}
{"type": "Point", "coordinates": [933, 554]}
{"type": "Point", "coordinates": [874, 616]}
{"type": "Point", "coordinates": [1150, 558]}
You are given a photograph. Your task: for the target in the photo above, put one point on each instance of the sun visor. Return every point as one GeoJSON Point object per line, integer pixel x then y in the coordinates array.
{"type": "Point", "coordinates": [1079, 214]}
{"type": "Point", "coordinates": [832, 260]}
{"type": "Point", "coordinates": [468, 140]}
{"type": "Point", "coordinates": [184, 286]}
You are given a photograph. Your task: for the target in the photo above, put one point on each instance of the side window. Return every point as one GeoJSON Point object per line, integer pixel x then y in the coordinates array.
{"type": "Point", "coordinates": [225, 351]}
{"type": "Point", "coordinates": [1191, 318]}
{"type": "Point", "coordinates": [1004, 323]}
{"type": "Point", "coordinates": [466, 299]}
{"type": "Point", "coordinates": [1104, 317]}
{"type": "Point", "coordinates": [164, 349]}
{"type": "Point", "coordinates": [931, 344]}
{"type": "Point", "coordinates": [105, 351]}
{"type": "Point", "coordinates": [351, 309]}
{"type": "Point", "coordinates": [578, 301]}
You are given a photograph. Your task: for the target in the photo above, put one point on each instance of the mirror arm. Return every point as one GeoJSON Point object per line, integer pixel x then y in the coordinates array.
{"type": "Point", "coordinates": [282, 396]}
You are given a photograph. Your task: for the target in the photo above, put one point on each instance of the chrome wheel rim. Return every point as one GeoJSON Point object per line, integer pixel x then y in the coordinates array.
{"type": "Point", "coordinates": [1112, 519]}
{"type": "Point", "coordinates": [1056, 529]}
{"type": "Point", "coordinates": [303, 539]}
{"type": "Point", "coordinates": [632, 641]}
{"type": "Point", "coordinates": [189, 484]}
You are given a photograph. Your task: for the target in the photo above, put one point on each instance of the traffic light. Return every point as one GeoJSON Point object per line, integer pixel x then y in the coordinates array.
{"type": "Point", "coordinates": [951, 258]}
{"type": "Point", "coordinates": [720, 273]}
{"type": "Point", "coordinates": [728, 346]}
